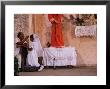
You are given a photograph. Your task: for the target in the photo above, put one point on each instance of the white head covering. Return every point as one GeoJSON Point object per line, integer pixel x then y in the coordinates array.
{"type": "Point", "coordinates": [36, 37]}
{"type": "Point", "coordinates": [38, 44]}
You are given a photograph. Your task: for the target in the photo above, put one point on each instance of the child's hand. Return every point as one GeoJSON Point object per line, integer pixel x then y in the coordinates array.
{"type": "Point", "coordinates": [30, 49]}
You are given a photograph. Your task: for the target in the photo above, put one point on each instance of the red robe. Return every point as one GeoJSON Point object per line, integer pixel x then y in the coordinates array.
{"type": "Point", "coordinates": [56, 30]}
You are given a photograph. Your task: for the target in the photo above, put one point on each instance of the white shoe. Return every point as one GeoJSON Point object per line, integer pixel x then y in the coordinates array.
{"type": "Point", "coordinates": [41, 68]}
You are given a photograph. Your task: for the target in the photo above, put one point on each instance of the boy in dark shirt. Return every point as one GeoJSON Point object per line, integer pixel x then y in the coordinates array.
{"type": "Point", "coordinates": [22, 44]}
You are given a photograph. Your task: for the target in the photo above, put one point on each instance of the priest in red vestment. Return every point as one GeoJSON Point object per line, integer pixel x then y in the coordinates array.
{"type": "Point", "coordinates": [56, 30]}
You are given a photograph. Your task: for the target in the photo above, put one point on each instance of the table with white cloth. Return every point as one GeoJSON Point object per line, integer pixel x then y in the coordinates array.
{"type": "Point", "coordinates": [59, 56]}
{"type": "Point", "coordinates": [85, 31]}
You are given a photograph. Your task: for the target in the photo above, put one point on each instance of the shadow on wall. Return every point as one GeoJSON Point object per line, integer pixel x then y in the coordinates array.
{"type": "Point", "coordinates": [87, 52]}
{"type": "Point", "coordinates": [80, 60]}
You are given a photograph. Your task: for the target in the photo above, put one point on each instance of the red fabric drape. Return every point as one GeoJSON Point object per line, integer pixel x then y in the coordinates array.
{"type": "Point", "coordinates": [56, 30]}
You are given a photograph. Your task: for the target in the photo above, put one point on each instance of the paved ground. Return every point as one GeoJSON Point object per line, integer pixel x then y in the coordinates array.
{"type": "Point", "coordinates": [77, 71]}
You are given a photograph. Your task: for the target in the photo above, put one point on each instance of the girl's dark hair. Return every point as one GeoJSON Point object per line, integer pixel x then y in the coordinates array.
{"type": "Point", "coordinates": [31, 36]}
{"type": "Point", "coordinates": [19, 33]}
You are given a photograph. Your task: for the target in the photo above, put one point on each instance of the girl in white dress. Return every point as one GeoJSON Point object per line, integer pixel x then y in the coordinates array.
{"type": "Point", "coordinates": [32, 58]}
{"type": "Point", "coordinates": [35, 51]}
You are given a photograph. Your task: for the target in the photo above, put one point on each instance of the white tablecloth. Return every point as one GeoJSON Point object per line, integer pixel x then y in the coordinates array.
{"type": "Point", "coordinates": [63, 56]}
{"type": "Point", "coordinates": [85, 31]}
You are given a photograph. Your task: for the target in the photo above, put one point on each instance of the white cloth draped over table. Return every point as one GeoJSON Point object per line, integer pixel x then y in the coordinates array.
{"type": "Point", "coordinates": [63, 56]}
{"type": "Point", "coordinates": [86, 31]}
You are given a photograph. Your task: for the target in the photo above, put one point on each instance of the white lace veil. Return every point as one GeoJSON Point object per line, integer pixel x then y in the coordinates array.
{"type": "Point", "coordinates": [36, 37]}
{"type": "Point", "coordinates": [38, 43]}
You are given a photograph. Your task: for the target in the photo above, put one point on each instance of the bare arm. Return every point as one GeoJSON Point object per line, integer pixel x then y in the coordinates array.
{"type": "Point", "coordinates": [21, 42]}
{"type": "Point", "coordinates": [21, 45]}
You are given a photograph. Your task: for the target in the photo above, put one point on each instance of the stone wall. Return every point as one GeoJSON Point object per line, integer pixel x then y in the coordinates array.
{"type": "Point", "coordinates": [21, 23]}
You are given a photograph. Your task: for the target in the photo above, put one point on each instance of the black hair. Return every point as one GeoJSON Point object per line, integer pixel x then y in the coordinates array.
{"type": "Point", "coordinates": [19, 33]}
{"type": "Point", "coordinates": [31, 36]}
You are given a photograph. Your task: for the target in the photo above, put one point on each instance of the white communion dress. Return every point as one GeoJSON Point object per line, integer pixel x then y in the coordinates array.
{"type": "Point", "coordinates": [32, 58]}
